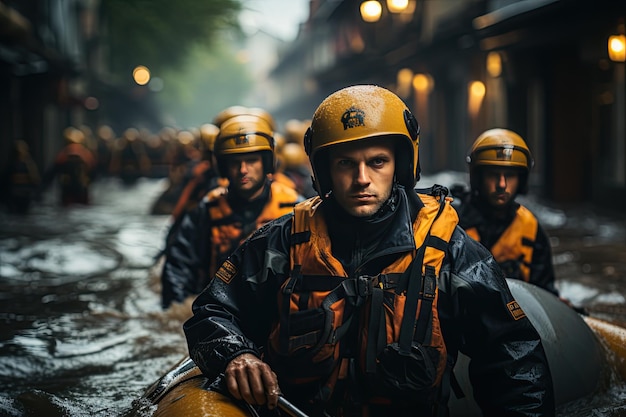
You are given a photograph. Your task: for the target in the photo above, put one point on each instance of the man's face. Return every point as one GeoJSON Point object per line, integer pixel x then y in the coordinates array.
{"type": "Point", "coordinates": [245, 173]}
{"type": "Point", "coordinates": [499, 185]}
{"type": "Point", "coordinates": [362, 175]}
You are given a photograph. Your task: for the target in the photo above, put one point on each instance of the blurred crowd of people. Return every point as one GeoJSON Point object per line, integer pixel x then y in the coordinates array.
{"type": "Point", "coordinates": [183, 156]}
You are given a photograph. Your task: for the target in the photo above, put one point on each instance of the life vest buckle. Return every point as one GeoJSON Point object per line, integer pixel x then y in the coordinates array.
{"type": "Point", "coordinates": [367, 283]}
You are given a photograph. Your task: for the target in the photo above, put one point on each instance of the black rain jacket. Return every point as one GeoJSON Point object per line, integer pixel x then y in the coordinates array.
{"type": "Point", "coordinates": [508, 369]}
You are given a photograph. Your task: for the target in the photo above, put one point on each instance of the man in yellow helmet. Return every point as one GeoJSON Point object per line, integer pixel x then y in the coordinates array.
{"type": "Point", "coordinates": [344, 305]}
{"type": "Point", "coordinates": [228, 213]}
{"type": "Point", "coordinates": [499, 165]}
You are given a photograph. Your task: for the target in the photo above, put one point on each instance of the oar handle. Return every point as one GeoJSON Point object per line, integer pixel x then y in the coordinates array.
{"type": "Point", "coordinates": [289, 408]}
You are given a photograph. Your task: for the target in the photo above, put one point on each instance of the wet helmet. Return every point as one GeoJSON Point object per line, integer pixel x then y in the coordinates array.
{"type": "Point", "coordinates": [502, 148]}
{"type": "Point", "coordinates": [208, 133]}
{"type": "Point", "coordinates": [363, 112]}
{"type": "Point", "coordinates": [242, 134]}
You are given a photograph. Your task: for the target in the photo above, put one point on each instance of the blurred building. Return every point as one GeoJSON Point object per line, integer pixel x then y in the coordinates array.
{"type": "Point", "coordinates": [41, 55]}
{"type": "Point", "coordinates": [539, 67]}
{"type": "Point", "coordinates": [54, 74]}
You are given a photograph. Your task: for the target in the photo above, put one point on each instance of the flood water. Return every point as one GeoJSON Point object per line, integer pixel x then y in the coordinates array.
{"type": "Point", "coordinates": [81, 328]}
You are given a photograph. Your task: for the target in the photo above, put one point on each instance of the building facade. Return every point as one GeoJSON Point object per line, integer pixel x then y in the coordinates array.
{"type": "Point", "coordinates": [539, 67]}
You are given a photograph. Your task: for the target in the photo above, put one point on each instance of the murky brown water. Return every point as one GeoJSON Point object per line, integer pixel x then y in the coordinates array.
{"type": "Point", "coordinates": [81, 329]}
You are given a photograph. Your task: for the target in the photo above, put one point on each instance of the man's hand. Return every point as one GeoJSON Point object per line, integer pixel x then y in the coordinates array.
{"type": "Point", "coordinates": [250, 379]}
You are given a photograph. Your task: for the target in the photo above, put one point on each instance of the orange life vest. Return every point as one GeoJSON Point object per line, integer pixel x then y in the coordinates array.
{"type": "Point", "coordinates": [184, 204]}
{"type": "Point", "coordinates": [516, 243]}
{"type": "Point", "coordinates": [226, 236]}
{"type": "Point", "coordinates": [319, 300]}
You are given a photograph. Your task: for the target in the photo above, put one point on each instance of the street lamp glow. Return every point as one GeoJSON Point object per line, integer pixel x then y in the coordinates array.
{"type": "Point", "coordinates": [422, 83]}
{"type": "Point", "coordinates": [141, 75]}
{"type": "Point", "coordinates": [494, 64]}
{"type": "Point", "coordinates": [476, 94]}
{"type": "Point", "coordinates": [403, 80]}
{"type": "Point", "coordinates": [397, 6]}
{"type": "Point", "coordinates": [617, 48]}
{"type": "Point", "coordinates": [371, 11]}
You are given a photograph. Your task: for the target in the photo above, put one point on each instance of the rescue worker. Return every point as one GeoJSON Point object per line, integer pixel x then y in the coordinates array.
{"type": "Point", "coordinates": [244, 151]}
{"type": "Point", "coordinates": [105, 137]}
{"type": "Point", "coordinates": [203, 177]}
{"type": "Point", "coordinates": [202, 173]}
{"type": "Point", "coordinates": [320, 305]}
{"type": "Point", "coordinates": [129, 160]}
{"type": "Point", "coordinates": [296, 166]}
{"type": "Point", "coordinates": [499, 165]}
{"type": "Point", "coordinates": [73, 167]}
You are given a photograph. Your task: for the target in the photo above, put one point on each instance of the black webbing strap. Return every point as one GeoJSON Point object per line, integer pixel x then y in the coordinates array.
{"type": "Point", "coordinates": [284, 318]}
{"type": "Point", "coordinates": [300, 237]}
{"type": "Point", "coordinates": [376, 332]}
{"type": "Point", "coordinates": [423, 328]}
{"type": "Point", "coordinates": [411, 301]}
{"type": "Point", "coordinates": [309, 283]}
{"type": "Point", "coordinates": [417, 283]}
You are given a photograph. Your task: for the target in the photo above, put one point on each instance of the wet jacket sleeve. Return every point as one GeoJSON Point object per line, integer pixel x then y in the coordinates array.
{"type": "Point", "coordinates": [508, 366]}
{"type": "Point", "coordinates": [183, 263]}
{"type": "Point", "coordinates": [233, 314]}
{"type": "Point", "coordinates": [541, 268]}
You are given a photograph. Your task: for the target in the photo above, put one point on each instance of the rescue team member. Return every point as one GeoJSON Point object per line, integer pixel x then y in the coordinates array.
{"type": "Point", "coordinates": [201, 178]}
{"type": "Point", "coordinates": [320, 305]}
{"type": "Point", "coordinates": [73, 168]}
{"type": "Point", "coordinates": [244, 151]}
{"type": "Point", "coordinates": [499, 166]}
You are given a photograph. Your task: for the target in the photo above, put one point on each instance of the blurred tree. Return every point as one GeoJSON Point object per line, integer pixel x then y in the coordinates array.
{"type": "Point", "coordinates": [160, 33]}
{"type": "Point", "coordinates": [210, 81]}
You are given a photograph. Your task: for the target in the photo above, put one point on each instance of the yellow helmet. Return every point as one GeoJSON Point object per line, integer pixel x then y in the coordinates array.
{"type": "Point", "coordinates": [208, 133]}
{"type": "Point", "coordinates": [263, 114]}
{"type": "Point", "coordinates": [185, 137]}
{"type": "Point", "coordinates": [131, 134]}
{"type": "Point", "coordinates": [295, 130]}
{"type": "Point", "coordinates": [227, 113]}
{"type": "Point", "coordinates": [106, 133]}
{"type": "Point", "coordinates": [500, 147]}
{"type": "Point", "coordinates": [293, 155]}
{"type": "Point", "coordinates": [242, 134]}
{"type": "Point", "coordinates": [73, 135]}
{"type": "Point", "coordinates": [363, 112]}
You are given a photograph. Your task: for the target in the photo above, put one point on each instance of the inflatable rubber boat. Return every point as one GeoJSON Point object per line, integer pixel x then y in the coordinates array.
{"type": "Point", "coordinates": [581, 351]}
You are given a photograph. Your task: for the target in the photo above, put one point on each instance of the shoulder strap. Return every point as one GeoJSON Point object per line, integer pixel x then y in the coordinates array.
{"type": "Point", "coordinates": [420, 279]}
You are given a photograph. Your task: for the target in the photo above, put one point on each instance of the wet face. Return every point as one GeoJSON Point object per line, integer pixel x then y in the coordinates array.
{"type": "Point", "coordinates": [246, 176]}
{"type": "Point", "coordinates": [362, 175]}
{"type": "Point", "coordinates": [499, 185]}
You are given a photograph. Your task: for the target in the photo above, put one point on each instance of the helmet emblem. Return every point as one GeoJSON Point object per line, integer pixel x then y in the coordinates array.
{"type": "Point", "coordinates": [353, 117]}
{"type": "Point", "coordinates": [504, 154]}
{"type": "Point", "coordinates": [241, 140]}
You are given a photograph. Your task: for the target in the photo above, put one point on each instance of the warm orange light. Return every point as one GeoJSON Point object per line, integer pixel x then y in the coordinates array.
{"type": "Point", "coordinates": [397, 6]}
{"type": "Point", "coordinates": [371, 11]}
{"type": "Point", "coordinates": [422, 83]}
{"type": "Point", "coordinates": [617, 48]}
{"type": "Point", "coordinates": [403, 80]}
{"type": "Point", "coordinates": [141, 75]}
{"type": "Point", "coordinates": [494, 64]}
{"type": "Point", "coordinates": [476, 95]}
